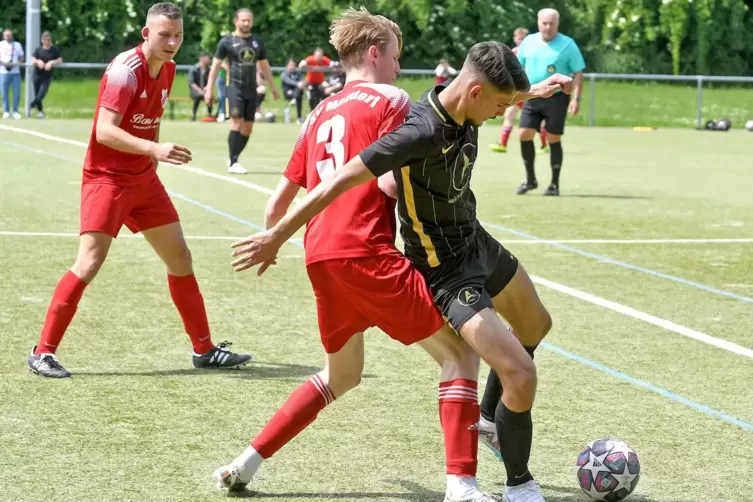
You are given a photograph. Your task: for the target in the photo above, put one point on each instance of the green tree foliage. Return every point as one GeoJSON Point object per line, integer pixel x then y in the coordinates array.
{"type": "Point", "coordinates": [619, 36]}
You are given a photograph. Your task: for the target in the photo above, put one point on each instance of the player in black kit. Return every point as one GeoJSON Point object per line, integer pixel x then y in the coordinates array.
{"type": "Point", "coordinates": [470, 274]}
{"type": "Point", "coordinates": [244, 51]}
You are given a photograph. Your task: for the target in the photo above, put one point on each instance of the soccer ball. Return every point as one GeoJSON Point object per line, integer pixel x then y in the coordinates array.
{"type": "Point", "coordinates": [608, 469]}
{"type": "Point", "coordinates": [749, 125]}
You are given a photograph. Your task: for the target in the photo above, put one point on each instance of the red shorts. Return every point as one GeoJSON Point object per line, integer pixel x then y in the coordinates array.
{"type": "Point", "coordinates": [385, 291]}
{"type": "Point", "coordinates": [105, 208]}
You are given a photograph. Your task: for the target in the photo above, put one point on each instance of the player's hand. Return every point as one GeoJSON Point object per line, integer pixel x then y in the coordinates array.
{"type": "Point", "coordinates": [208, 95]}
{"type": "Point", "coordinates": [48, 66]}
{"type": "Point", "coordinates": [275, 93]}
{"type": "Point", "coordinates": [259, 249]}
{"type": "Point", "coordinates": [574, 107]}
{"type": "Point", "coordinates": [555, 83]}
{"type": "Point", "coordinates": [172, 154]}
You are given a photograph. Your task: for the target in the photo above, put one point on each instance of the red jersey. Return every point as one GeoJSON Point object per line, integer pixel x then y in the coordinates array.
{"type": "Point", "coordinates": [316, 77]}
{"type": "Point", "coordinates": [360, 222]}
{"type": "Point", "coordinates": [128, 89]}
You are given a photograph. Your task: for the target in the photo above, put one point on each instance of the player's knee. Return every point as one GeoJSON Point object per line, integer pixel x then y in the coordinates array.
{"type": "Point", "coordinates": [182, 261]}
{"type": "Point", "coordinates": [519, 379]}
{"type": "Point", "coordinates": [460, 364]}
{"type": "Point", "coordinates": [88, 264]}
{"type": "Point", "coordinates": [526, 134]}
{"type": "Point", "coordinates": [343, 381]}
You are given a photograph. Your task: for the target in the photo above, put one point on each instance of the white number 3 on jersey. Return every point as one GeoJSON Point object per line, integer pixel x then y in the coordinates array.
{"type": "Point", "coordinates": [331, 133]}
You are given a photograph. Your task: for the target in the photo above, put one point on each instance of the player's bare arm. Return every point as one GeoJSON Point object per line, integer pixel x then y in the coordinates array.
{"type": "Point", "coordinates": [111, 135]}
{"type": "Point", "coordinates": [262, 248]}
{"type": "Point", "coordinates": [211, 78]}
{"type": "Point", "coordinates": [546, 88]}
{"type": "Point", "coordinates": [388, 184]}
{"type": "Point", "coordinates": [266, 70]}
{"type": "Point", "coordinates": [574, 105]}
{"type": "Point", "coordinates": [279, 203]}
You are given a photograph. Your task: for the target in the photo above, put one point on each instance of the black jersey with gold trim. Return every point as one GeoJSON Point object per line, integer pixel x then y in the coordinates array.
{"type": "Point", "coordinates": [435, 158]}
{"type": "Point", "coordinates": [242, 54]}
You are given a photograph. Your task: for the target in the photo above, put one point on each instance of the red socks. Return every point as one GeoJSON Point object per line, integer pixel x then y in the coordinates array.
{"type": "Point", "coordinates": [542, 133]}
{"type": "Point", "coordinates": [459, 414]}
{"type": "Point", "coordinates": [185, 293]}
{"type": "Point", "coordinates": [301, 408]}
{"type": "Point", "coordinates": [506, 130]}
{"type": "Point", "coordinates": [60, 313]}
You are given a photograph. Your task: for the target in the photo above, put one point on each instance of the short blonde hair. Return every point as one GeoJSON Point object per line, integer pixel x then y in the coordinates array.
{"type": "Point", "coordinates": [522, 32]}
{"type": "Point", "coordinates": [354, 31]}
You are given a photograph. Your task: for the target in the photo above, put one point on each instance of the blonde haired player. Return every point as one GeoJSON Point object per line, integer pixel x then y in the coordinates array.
{"type": "Point", "coordinates": [359, 278]}
{"type": "Point", "coordinates": [518, 35]}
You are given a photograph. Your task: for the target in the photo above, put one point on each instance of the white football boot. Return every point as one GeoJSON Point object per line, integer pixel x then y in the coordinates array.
{"type": "Point", "coordinates": [527, 492]}
{"type": "Point", "coordinates": [232, 477]}
{"type": "Point", "coordinates": [487, 434]}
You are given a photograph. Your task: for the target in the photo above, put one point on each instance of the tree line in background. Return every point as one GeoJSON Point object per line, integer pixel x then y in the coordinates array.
{"type": "Point", "coordinates": [711, 37]}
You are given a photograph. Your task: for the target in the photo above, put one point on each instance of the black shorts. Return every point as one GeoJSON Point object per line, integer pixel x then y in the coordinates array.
{"type": "Point", "coordinates": [465, 285]}
{"type": "Point", "coordinates": [552, 110]}
{"type": "Point", "coordinates": [242, 104]}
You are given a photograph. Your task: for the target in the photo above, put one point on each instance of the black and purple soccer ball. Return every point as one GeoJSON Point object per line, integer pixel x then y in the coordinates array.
{"type": "Point", "coordinates": [608, 469]}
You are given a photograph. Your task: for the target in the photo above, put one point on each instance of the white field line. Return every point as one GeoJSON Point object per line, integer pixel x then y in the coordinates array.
{"type": "Point", "coordinates": [587, 297]}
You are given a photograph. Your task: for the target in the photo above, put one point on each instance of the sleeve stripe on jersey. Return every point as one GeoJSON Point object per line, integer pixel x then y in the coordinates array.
{"type": "Point", "coordinates": [418, 227]}
{"type": "Point", "coordinates": [121, 76]}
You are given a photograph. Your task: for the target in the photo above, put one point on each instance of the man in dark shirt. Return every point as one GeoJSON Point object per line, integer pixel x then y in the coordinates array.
{"type": "Point", "coordinates": [292, 87]}
{"type": "Point", "coordinates": [197, 82]}
{"type": "Point", "coordinates": [244, 51]}
{"type": "Point", "coordinates": [470, 274]}
{"type": "Point", "coordinates": [336, 80]}
{"type": "Point", "coordinates": [44, 58]}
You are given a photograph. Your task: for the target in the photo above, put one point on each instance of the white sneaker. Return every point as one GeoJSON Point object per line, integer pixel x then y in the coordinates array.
{"type": "Point", "coordinates": [236, 169]}
{"type": "Point", "coordinates": [232, 478]}
{"type": "Point", "coordinates": [527, 492]}
{"type": "Point", "coordinates": [221, 117]}
{"type": "Point", "coordinates": [40, 115]}
{"type": "Point", "coordinates": [487, 434]}
{"type": "Point", "coordinates": [478, 496]}
{"type": "Point", "coordinates": [6, 115]}
{"type": "Point", "coordinates": [17, 116]}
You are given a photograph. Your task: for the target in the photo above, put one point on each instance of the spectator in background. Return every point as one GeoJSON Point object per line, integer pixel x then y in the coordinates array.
{"type": "Point", "coordinates": [314, 78]}
{"type": "Point", "coordinates": [10, 76]}
{"type": "Point", "coordinates": [221, 82]}
{"type": "Point", "coordinates": [197, 82]}
{"type": "Point", "coordinates": [443, 72]}
{"type": "Point", "coordinates": [336, 80]}
{"type": "Point", "coordinates": [543, 54]}
{"type": "Point", "coordinates": [292, 87]}
{"type": "Point", "coordinates": [44, 59]}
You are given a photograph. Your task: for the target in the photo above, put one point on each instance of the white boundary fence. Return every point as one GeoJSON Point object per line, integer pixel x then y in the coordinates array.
{"type": "Point", "coordinates": [591, 77]}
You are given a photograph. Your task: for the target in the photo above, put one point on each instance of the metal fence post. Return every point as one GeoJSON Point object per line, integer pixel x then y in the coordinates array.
{"type": "Point", "coordinates": [699, 103]}
{"type": "Point", "coordinates": [592, 99]}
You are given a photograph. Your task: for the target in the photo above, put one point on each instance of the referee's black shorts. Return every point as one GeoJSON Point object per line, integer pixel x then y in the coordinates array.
{"type": "Point", "coordinates": [242, 105]}
{"type": "Point", "coordinates": [552, 110]}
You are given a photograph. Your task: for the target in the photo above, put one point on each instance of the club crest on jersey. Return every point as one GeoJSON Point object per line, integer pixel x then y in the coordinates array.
{"type": "Point", "coordinates": [164, 97]}
{"type": "Point", "coordinates": [468, 297]}
{"type": "Point", "coordinates": [551, 68]}
{"type": "Point", "coordinates": [461, 170]}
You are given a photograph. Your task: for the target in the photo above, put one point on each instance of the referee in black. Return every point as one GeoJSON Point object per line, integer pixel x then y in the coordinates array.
{"type": "Point", "coordinates": [244, 51]}
{"type": "Point", "coordinates": [468, 271]}
{"type": "Point", "coordinates": [543, 54]}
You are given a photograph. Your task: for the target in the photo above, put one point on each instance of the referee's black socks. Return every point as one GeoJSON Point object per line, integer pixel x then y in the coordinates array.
{"type": "Point", "coordinates": [529, 157]}
{"type": "Point", "coordinates": [556, 159]}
